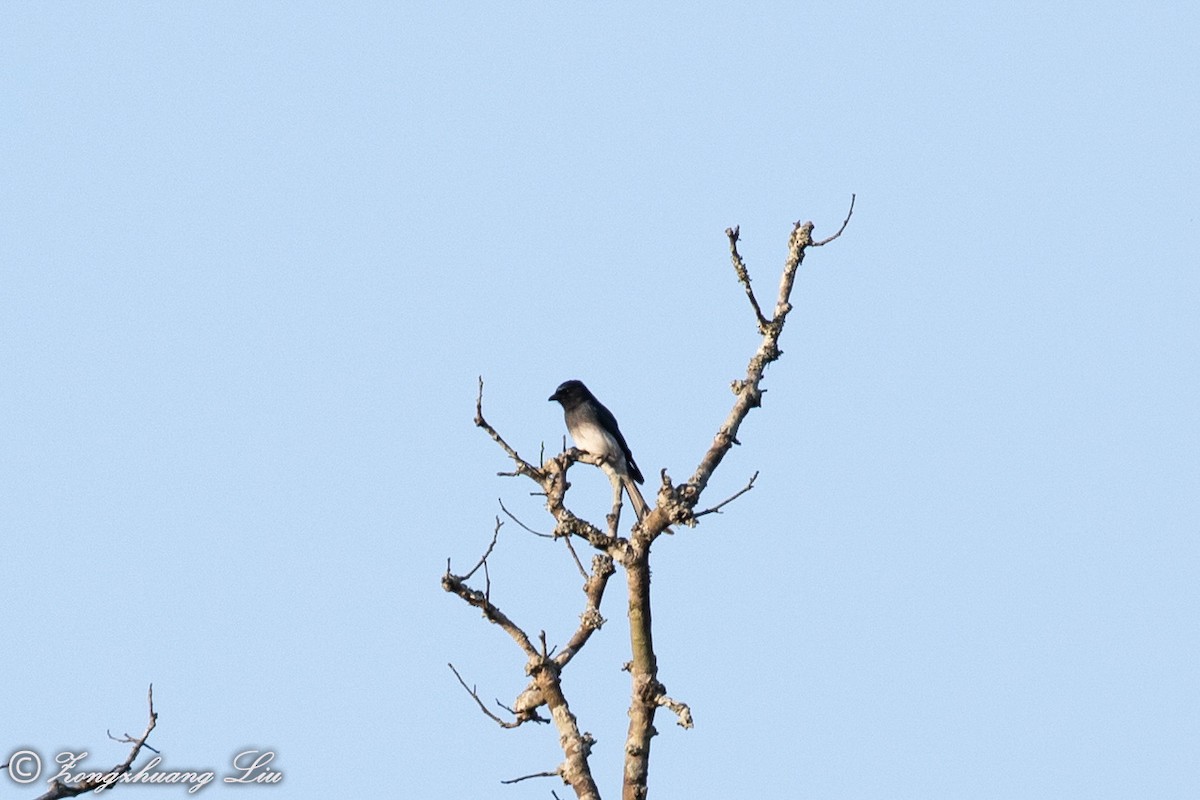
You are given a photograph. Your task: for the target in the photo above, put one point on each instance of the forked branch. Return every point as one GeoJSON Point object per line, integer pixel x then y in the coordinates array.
{"type": "Point", "coordinates": [677, 504]}
{"type": "Point", "coordinates": [529, 715]}
{"type": "Point", "coordinates": [108, 779]}
{"type": "Point", "coordinates": [747, 392]}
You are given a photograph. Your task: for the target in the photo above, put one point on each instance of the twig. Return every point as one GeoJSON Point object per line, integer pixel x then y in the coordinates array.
{"type": "Point", "coordinates": [523, 466]}
{"type": "Point", "coordinates": [555, 774]}
{"type": "Point", "coordinates": [527, 703]}
{"type": "Point", "coordinates": [578, 563]}
{"type": "Point", "coordinates": [127, 739]}
{"type": "Point", "coordinates": [845, 222]}
{"type": "Point", "coordinates": [743, 275]}
{"type": "Point", "coordinates": [483, 559]}
{"type": "Point", "coordinates": [471, 691]}
{"type": "Point", "coordinates": [566, 539]}
{"type": "Point", "coordinates": [717, 508]}
{"type": "Point", "coordinates": [522, 524]}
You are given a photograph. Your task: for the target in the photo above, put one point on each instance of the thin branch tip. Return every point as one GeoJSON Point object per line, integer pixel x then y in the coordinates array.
{"type": "Point", "coordinates": [845, 222]}
{"type": "Point", "coordinates": [482, 707]}
{"type": "Point", "coordinates": [552, 774]}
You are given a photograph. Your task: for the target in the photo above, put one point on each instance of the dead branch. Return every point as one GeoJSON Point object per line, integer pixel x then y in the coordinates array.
{"type": "Point", "coordinates": [676, 504]}
{"type": "Point", "coordinates": [527, 704]}
{"type": "Point", "coordinates": [58, 789]}
{"type": "Point", "coordinates": [747, 391]}
{"type": "Point", "coordinates": [521, 718]}
{"type": "Point", "coordinates": [525, 527]}
{"type": "Point", "coordinates": [523, 466]}
{"type": "Point", "coordinates": [845, 222]}
{"type": "Point", "coordinates": [681, 710]}
{"type": "Point", "coordinates": [483, 559]}
{"type": "Point", "coordinates": [717, 508]}
{"type": "Point", "coordinates": [590, 620]}
{"type": "Point", "coordinates": [575, 556]}
{"type": "Point", "coordinates": [544, 667]}
{"type": "Point", "coordinates": [576, 744]}
{"type": "Point", "coordinates": [743, 275]}
{"type": "Point", "coordinates": [127, 739]}
{"type": "Point", "coordinates": [555, 485]}
{"type": "Point", "coordinates": [456, 584]}
{"type": "Point", "coordinates": [553, 774]}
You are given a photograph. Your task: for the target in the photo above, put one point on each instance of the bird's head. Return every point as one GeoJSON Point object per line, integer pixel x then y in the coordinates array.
{"type": "Point", "coordinates": [569, 393]}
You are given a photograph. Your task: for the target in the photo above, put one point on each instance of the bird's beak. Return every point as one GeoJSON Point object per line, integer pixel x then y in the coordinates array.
{"type": "Point", "coordinates": [552, 397]}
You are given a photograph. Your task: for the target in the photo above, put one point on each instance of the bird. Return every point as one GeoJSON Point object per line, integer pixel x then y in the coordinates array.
{"type": "Point", "coordinates": [595, 429]}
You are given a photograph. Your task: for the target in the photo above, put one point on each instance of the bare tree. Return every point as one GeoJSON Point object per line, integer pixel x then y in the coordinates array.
{"type": "Point", "coordinates": [676, 505]}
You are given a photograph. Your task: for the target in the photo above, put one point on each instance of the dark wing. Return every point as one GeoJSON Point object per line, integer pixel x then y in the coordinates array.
{"type": "Point", "coordinates": [609, 423]}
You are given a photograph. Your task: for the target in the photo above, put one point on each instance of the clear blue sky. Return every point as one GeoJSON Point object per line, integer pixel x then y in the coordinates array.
{"type": "Point", "coordinates": [253, 257]}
